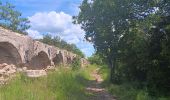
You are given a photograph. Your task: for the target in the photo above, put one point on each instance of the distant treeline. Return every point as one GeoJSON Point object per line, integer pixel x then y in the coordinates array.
{"type": "Point", "coordinates": [58, 42]}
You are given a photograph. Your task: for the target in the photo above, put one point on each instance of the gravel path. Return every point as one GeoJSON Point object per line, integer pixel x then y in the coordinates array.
{"type": "Point", "coordinates": [94, 88]}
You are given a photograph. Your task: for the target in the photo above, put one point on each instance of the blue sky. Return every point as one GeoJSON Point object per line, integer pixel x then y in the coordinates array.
{"type": "Point", "coordinates": [54, 17]}
{"type": "Point", "coordinates": [30, 7]}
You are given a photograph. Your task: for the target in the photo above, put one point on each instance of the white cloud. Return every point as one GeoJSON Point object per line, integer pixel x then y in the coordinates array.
{"type": "Point", "coordinates": [34, 34]}
{"type": "Point", "coordinates": [56, 24]}
{"type": "Point", "coordinates": [50, 22]}
{"type": "Point", "coordinates": [59, 24]}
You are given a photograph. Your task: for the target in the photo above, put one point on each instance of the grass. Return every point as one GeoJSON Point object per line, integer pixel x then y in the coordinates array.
{"type": "Point", "coordinates": [86, 72]}
{"type": "Point", "coordinates": [104, 72]}
{"type": "Point", "coordinates": [64, 84]}
{"type": "Point", "coordinates": [67, 84]}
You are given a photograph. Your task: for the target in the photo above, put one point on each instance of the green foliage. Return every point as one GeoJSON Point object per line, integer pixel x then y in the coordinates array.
{"type": "Point", "coordinates": [106, 22]}
{"type": "Point", "coordinates": [76, 63]}
{"type": "Point", "coordinates": [88, 70]}
{"type": "Point", "coordinates": [132, 36]}
{"type": "Point", "coordinates": [56, 41]}
{"type": "Point", "coordinates": [159, 57]}
{"type": "Point", "coordinates": [123, 92]}
{"type": "Point", "coordinates": [104, 72]}
{"type": "Point", "coordinates": [11, 19]}
{"type": "Point", "coordinates": [143, 95]}
{"type": "Point", "coordinates": [129, 92]}
{"type": "Point", "coordinates": [96, 59]}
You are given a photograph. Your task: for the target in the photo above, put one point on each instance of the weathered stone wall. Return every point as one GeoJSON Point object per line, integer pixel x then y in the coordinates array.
{"type": "Point", "coordinates": [84, 62]}
{"type": "Point", "coordinates": [22, 51]}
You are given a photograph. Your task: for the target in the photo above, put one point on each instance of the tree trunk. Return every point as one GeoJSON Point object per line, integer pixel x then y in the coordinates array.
{"type": "Point", "coordinates": [111, 70]}
{"type": "Point", "coordinates": [112, 64]}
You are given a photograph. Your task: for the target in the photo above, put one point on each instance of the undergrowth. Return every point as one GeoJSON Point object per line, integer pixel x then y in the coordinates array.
{"type": "Point", "coordinates": [126, 91]}
{"type": "Point", "coordinates": [64, 84]}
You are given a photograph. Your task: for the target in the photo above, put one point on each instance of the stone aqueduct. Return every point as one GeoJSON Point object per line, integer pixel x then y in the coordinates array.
{"type": "Point", "coordinates": [23, 51]}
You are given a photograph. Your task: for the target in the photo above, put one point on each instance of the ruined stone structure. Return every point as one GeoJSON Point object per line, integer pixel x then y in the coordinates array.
{"type": "Point", "coordinates": [84, 62]}
{"type": "Point", "coordinates": [23, 51]}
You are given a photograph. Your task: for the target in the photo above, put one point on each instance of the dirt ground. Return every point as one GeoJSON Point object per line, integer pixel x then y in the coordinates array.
{"type": "Point", "coordinates": [95, 88]}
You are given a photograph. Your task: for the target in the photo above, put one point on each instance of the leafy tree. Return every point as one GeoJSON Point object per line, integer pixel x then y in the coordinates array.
{"type": "Point", "coordinates": [98, 23]}
{"type": "Point", "coordinates": [10, 18]}
{"type": "Point", "coordinates": [105, 21]}
{"type": "Point", "coordinates": [47, 39]}
{"type": "Point", "coordinates": [96, 59]}
{"type": "Point", "coordinates": [122, 32]}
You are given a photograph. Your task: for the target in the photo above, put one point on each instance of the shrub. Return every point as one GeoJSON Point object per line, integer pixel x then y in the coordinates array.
{"type": "Point", "coordinates": [76, 64]}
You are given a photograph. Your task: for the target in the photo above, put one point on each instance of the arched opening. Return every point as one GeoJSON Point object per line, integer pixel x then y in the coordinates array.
{"type": "Point", "coordinates": [41, 61]}
{"type": "Point", "coordinates": [69, 60]}
{"type": "Point", "coordinates": [9, 54]}
{"type": "Point", "coordinates": [58, 59]}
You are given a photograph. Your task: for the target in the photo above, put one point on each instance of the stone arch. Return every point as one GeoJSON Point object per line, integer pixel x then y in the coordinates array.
{"type": "Point", "coordinates": [9, 54]}
{"type": "Point", "coordinates": [40, 61]}
{"type": "Point", "coordinates": [58, 59]}
{"type": "Point", "coordinates": [69, 61]}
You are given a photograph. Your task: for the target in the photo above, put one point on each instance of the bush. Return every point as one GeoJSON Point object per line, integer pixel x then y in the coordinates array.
{"type": "Point", "coordinates": [76, 64]}
{"type": "Point", "coordinates": [128, 92]}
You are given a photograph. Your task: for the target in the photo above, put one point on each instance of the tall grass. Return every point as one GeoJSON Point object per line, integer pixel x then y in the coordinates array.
{"type": "Point", "coordinates": [64, 84]}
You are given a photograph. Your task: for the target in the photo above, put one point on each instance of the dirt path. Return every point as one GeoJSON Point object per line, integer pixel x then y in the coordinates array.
{"type": "Point", "coordinates": [94, 88]}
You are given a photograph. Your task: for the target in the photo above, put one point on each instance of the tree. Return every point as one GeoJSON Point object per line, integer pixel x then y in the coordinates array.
{"type": "Point", "coordinates": [10, 18]}
{"type": "Point", "coordinates": [97, 20]}
{"type": "Point", "coordinates": [122, 32]}
{"type": "Point", "coordinates": [96, 59]}
{"type": "Point", "coordinates": [47, 39]}
{"type": "Point", "coordinates": [106, 21]}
